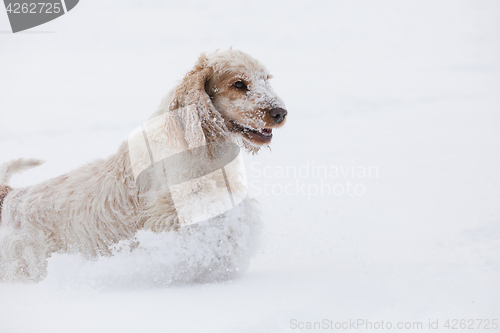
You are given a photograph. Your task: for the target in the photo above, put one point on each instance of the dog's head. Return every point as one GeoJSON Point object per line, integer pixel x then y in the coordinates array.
{"type": "Point", "coordinates": [232, 97]}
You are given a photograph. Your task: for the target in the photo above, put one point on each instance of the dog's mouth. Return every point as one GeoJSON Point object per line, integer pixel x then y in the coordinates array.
{"type": "Point", "coordinates": [259, 135]}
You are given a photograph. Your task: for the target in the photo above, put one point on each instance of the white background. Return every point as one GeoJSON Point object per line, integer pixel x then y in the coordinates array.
{"type": "Point", "coordinates": [409, 87]}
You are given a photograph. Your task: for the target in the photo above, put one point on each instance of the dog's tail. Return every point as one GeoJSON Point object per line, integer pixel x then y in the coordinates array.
{"type": "Point", "coordinates": [8, 169]}
{"type": "Point", "coordinates": [15, 166]}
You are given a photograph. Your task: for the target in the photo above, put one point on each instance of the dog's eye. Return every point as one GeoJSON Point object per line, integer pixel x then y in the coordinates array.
{"type": "Point", "coordinates": [240, 85]}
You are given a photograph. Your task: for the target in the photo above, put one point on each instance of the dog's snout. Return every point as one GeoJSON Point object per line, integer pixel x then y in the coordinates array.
{"type": "Point", "coordinates": [278, 114]}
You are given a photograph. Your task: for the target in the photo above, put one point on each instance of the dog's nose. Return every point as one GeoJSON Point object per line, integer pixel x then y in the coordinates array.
{"type": "Point", "coordinates": [278, 114]}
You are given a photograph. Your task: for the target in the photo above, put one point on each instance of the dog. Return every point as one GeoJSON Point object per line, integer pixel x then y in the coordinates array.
{"type": "Point", "coordinates": [226, 98]}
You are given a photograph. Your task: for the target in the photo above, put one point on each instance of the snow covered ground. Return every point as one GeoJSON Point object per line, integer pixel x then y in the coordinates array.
{"type": "Point", "coordinates": [405, 94]}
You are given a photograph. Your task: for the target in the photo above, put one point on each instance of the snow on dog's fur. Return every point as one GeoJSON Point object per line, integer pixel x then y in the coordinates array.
{"type": "Point", "coordinates": [92, 209]}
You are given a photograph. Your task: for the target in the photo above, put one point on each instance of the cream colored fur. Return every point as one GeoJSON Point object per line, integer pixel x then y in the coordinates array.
{"type": "Point", "coordinates": [92, 208]}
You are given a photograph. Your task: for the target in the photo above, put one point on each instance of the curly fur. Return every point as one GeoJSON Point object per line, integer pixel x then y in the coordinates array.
{"type": "Point", "coordinates": [4, 190]}
{"type": "Point", "coordinates": [91, 209]}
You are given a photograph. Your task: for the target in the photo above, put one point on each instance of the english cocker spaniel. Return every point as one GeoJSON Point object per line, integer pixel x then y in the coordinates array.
{"type": "Point", "coordinates": [181, 173]}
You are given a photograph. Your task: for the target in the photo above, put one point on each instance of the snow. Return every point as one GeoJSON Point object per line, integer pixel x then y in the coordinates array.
{"type": "Point", "coordinates": [410, 88]}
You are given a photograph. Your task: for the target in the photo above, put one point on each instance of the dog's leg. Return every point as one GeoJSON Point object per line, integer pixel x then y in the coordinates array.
{"type": "Point", "coordinates": [23, 257]}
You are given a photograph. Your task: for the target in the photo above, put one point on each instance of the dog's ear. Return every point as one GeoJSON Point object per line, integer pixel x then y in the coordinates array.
{"type": "Point", "coordinates": [191, 123]}
{"type": "Point", "coordinates": [194, 106]}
